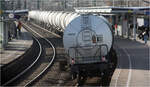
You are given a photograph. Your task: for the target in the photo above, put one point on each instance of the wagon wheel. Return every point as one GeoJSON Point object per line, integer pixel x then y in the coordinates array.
{"type": "Point", "coordinates": [105, 78]}
{"type": "Point", "coordinates": [79, 79]}
{"type": "Point", "coordinates": [73, 76]}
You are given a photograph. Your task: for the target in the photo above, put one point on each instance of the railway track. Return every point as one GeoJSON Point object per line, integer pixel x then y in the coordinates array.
{"type": "Point", "coordinates": [21, 65]}
{"type": "Point", "coordinates": [43, 61]}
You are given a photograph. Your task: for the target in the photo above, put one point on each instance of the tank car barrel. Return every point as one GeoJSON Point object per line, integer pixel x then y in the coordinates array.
{"type": "Point", "coordinates": [87, 39]}
{"type": "Point", "coordinates": [79, 29]}
{"type": "Point", "coordinates": [58, 19]}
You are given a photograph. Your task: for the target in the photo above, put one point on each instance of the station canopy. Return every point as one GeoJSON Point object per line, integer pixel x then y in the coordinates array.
{"type": "Point", "coordinates": [25, 11]}
{"type": "Point", "coordinates": [114, 10]}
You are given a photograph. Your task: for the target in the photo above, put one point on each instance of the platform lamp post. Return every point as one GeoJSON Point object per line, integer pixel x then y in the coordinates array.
{"type": "Point", "coordinates": [94, 2]}
{"type": "Point", "coordinates": [2, 8]}
{"type": "Point", "coordinates": [77, 3]}
{"type": "Point", "coordinates": [139, 3]}
{"type": "Point", "coordinates": [0, 26]}
{"type": "Point", "coordinates": [127, 2]}
{"type": "Point", "coordinates": [134, 25]}
{"type": "Point", "coordinates": [65, 6]}
{"type": "Point", "coordinates": [25, 4]}
{"type": "Point", "coordinates": [19, 4]}
{"type": "Point", "coordinates": [38, 4]}
{"type": "Point", "coordinates": [113, 3]}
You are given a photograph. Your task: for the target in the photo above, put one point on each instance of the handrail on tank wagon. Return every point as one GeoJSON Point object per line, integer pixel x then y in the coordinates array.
{"type": "Point", "coordinates": [82, 59]}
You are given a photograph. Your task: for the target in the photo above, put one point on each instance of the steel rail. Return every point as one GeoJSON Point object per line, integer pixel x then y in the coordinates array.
{"type": "Point", "coordinates": [45, 30]}
{"type": "Point", "coordinates": [50, 61]}
{"type": "Point", "coordinates": [11, 80]}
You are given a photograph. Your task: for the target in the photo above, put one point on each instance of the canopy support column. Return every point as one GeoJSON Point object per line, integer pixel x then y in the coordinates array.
{"type": "Point", "coordinates": [134, 26]}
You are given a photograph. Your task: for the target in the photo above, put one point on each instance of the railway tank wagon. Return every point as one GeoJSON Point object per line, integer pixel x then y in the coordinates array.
{"type": "Point", "coordinates": [87, 40]}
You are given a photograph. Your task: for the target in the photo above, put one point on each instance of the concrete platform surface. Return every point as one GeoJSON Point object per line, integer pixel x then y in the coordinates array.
{"type": "Point", "coordinates": [133, 68]}
{"type": "Point", "coordinates": [16, 47]}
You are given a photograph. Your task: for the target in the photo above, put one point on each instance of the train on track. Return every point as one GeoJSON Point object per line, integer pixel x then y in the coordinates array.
{"type": "Point", "coordinates": [87, 40]}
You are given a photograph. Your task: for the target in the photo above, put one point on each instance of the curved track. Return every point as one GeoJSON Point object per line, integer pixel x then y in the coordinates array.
{"type": "Point", "coordinates": [52, 57]}
{"type": "Point", "coordinates": [17, 68]}
{"type": "Point", "coordinates": [38, 67]}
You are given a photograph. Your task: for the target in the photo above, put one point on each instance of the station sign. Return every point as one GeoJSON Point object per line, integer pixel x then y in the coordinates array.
{"type": "Point", "coordinates": [11, 15]}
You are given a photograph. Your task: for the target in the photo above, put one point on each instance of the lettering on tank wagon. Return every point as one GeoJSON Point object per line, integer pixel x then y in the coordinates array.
{"type": "Point", "coordinates": [71, 34]}
{"type": "Point", "coordinates": [100, 38]}
{"type": "Point", "coordinates": [97, 39]}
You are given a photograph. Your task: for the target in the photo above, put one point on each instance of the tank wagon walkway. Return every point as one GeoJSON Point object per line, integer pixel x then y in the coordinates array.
{"type": "Point", "coordinates": [133, 67]}
{"type": "Point", "coordinates": [16, 48]}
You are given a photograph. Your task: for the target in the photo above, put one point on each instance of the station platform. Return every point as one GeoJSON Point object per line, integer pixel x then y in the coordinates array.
{"type": "Point", "coordinates": [133, 67]}
{"type": "Point", "coordinates": [16, 47]}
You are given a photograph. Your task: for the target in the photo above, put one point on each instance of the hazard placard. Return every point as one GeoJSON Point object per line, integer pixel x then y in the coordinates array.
{"type": "Point", "coordinates": [130, 11]}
